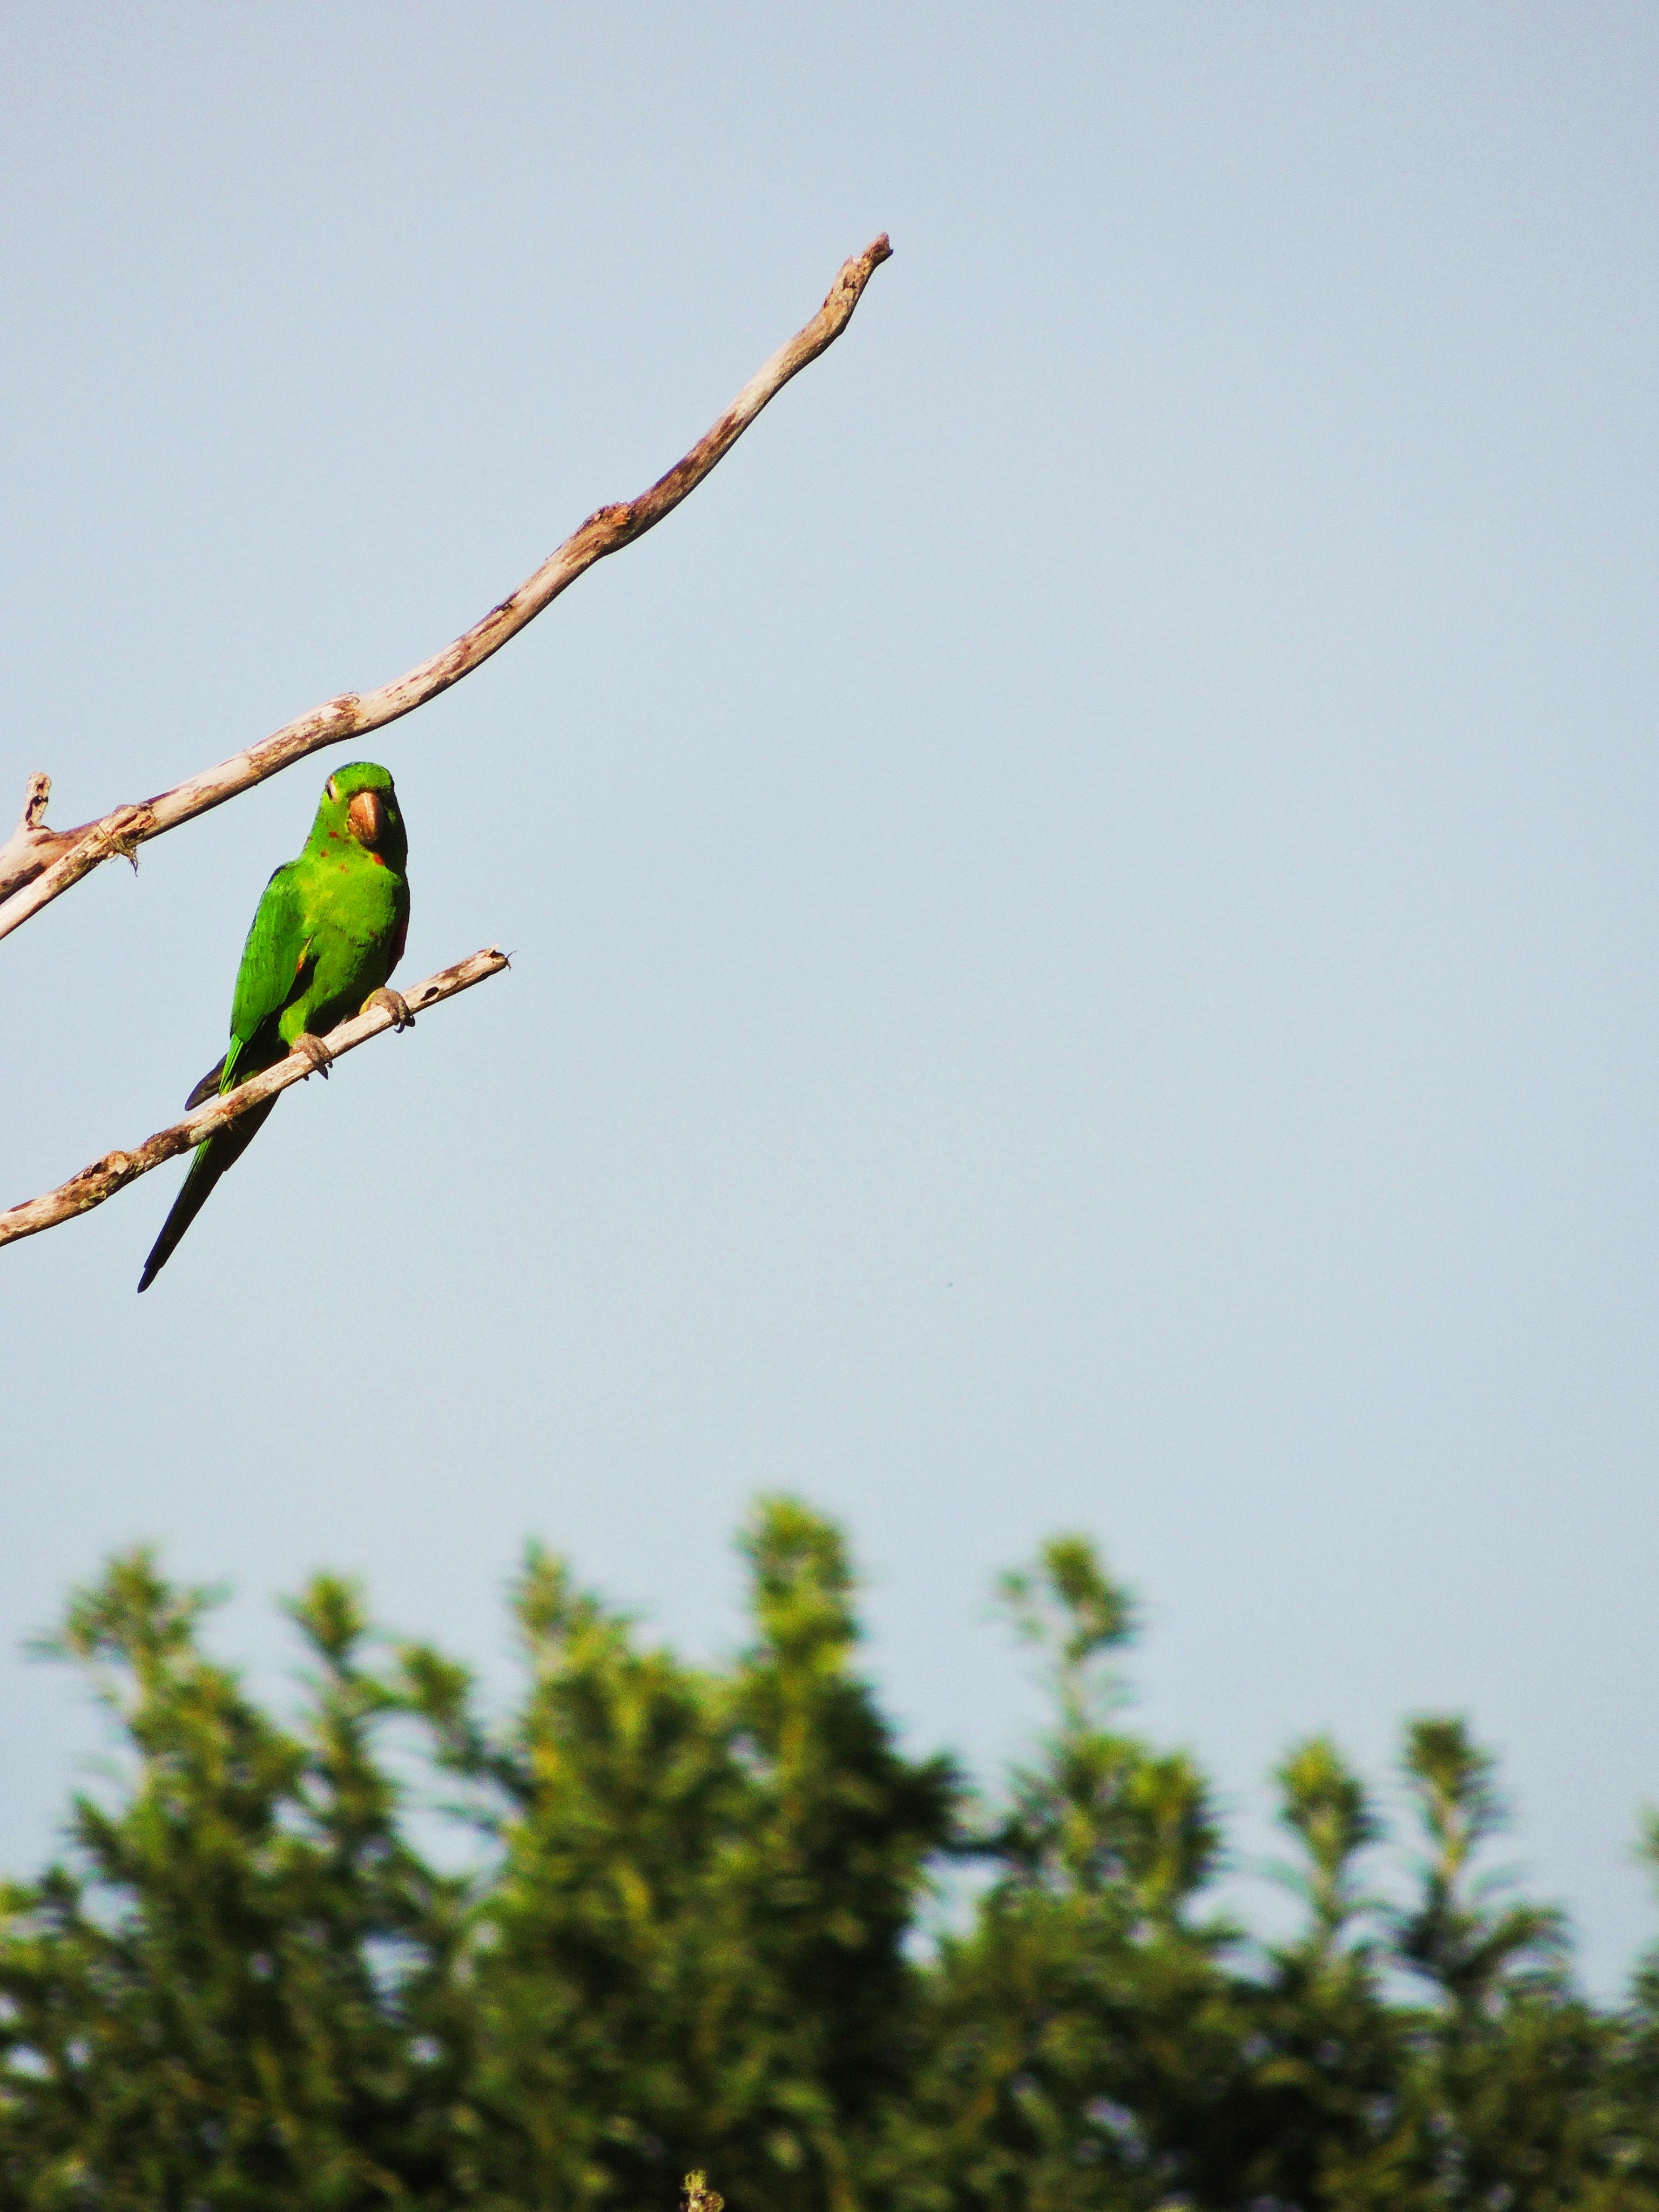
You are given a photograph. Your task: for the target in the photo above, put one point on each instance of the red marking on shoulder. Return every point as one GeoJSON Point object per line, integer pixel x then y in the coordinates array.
{"type": "Point", "coordinates": [300, 961]}
{"type": "Point", "coordinates": [377, 859]}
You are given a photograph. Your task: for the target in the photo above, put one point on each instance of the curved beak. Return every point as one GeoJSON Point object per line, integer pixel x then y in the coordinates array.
{"type": "Point", "coordinates": [366, 816]}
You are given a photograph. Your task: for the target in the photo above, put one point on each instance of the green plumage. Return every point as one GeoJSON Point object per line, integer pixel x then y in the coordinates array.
{"type": "Point", "coordinates": [329, 930]}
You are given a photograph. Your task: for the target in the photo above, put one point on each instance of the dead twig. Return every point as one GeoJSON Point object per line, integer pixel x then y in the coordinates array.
{"type": "Point", "coordinates": [37, 873]}
{"type": "Point", "coordinates": [32, 847]}
{"type": "Point", "coordinates": [116, 1169]}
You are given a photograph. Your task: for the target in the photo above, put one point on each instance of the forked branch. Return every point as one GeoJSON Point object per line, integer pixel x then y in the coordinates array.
{"type": "Point", "coordinates": [32, 847]}
{"type": "Point", "coordinates": [37, 865]}
{"type": "Point", "coordinates": [116, 1169]}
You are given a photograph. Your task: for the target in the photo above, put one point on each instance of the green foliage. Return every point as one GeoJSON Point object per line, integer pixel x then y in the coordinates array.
{"type": "Point", "coordinates": [690, 1949]}
{"type": "Point", "coordinates": [690, 1935]}
{"type": "Point", "coordinates": [229, 1994]}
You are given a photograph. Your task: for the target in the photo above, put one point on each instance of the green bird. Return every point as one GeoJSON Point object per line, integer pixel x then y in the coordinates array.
{"type": "Point", "coordinates": [329, 930]}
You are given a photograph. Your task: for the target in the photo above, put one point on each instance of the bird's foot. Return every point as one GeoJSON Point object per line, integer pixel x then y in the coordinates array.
{"type": "Point", "coordinates": [395, 1004]}
{"type": "Point", "coordinates": [315, 1051]}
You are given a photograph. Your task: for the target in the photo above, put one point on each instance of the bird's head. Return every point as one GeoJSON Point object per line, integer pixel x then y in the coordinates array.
{"type": "Point", "coordinates": [360, 802]}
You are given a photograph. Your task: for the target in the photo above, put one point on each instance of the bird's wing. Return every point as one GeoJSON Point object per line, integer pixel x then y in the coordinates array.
{"type": "Point", "coordinates": [273, 967]}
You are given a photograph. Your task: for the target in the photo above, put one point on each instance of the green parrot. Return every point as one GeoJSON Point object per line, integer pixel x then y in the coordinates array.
{"type": "Point", "coordinates": [329, 930]}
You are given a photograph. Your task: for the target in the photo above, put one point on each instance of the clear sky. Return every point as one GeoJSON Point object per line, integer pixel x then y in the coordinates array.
{"type": "Point", "coordinates": [1084, 911]}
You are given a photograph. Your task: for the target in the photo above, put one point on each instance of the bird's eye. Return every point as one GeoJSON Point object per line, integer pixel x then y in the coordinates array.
{"type": "Point", "coordinates": [333, 788]}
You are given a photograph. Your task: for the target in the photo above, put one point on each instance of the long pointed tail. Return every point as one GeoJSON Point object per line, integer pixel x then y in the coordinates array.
{"type": "Point", "coordinates": [213, 1158]}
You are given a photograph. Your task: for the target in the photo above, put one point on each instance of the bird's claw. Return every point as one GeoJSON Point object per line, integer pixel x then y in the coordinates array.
{"type": "Point", "coordinates": [395, 1004]}
{"type": "Point", "coordinates": [314, 1049]}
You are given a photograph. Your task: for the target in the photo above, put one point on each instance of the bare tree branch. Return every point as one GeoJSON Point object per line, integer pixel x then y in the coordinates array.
{"type": "Point", "coordinates": [32, 846]}
{"type": "Point", "coordinates": [116, 1169]}
{"type": "Point", "coordinates": [37, 865]}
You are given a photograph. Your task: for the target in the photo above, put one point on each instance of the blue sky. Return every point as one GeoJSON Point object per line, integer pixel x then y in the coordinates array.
{"type": "Point", "coordinates": [1083, 911]}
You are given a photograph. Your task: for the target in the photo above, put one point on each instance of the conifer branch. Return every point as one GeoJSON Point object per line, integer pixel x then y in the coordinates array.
{"type": "Point", "coordinates": [116, 1169]}
{"type": "Point", "coordinates": [37, 865]}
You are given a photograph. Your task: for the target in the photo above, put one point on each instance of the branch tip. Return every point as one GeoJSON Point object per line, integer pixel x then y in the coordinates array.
{"type": "Point", "coordinates": [37, 866]}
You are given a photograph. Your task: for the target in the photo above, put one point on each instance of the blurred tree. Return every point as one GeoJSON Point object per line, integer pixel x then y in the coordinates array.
{"type": "Point", "coordinates": [693, 1950]}
{"type": "Point", "coordinates": [1508, 2094]}
{"type": "Point", "coordinates": [237, 1993]}
{"type": "Point", "coordinates": [693, 1932]}
{"type": "Point", "coordinates": [1083, 2042]}
{"type": "Point", "coordinates": [1327, 2049]}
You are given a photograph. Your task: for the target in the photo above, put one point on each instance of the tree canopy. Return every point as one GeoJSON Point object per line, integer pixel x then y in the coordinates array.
{"type": "Point", "coordinates": [716, 1917]}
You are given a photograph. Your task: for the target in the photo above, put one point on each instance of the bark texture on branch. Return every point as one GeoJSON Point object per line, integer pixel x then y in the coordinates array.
{"type": "Point", "coordinates": [355, 713]}
{"type": "Point", "coordinates": [116, 1169]}
{"type": "Point", "coordinates": [32, 847]}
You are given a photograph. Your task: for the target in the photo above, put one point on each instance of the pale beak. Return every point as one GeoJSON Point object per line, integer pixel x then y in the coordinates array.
{"type": "Point", "coordinates": [366, 816]}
